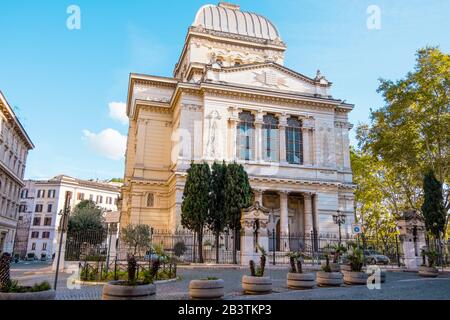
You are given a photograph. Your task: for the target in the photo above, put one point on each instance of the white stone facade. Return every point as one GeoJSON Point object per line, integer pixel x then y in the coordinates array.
{"type": "Point", "coordinates": [14, 147]}
{"type": "Point", "coordinates": [224, 72]}
{"type": "Point", "coordinates": [45, 200]}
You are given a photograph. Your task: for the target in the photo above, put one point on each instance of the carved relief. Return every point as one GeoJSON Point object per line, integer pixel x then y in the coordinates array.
{"type": "Point", "coordinates": [270, 79]}
{"type": "Point", "coordinates": [211, 147]}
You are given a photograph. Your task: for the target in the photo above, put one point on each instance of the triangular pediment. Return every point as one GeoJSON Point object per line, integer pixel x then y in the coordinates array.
{"type": "Point", "coordinates": [270, 76]}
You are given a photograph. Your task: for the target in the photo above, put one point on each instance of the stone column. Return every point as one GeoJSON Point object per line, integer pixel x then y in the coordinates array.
{"type": "Point", "coordinates": [306, 147]}
{"type": "Point", "coordinates": [308, 214]}
{"type": "Point", "coordinates": [140, 149]}
{"type": "Point", "coordinates": [258, 196]}
{"type": "Point", "coordinates": [258, 141]}
{"type": "Point", "coordinates": [284, 221]}
{"type": "Point", "coordinates": [282, 125]}
{"type": "Point", "coordinates": [233, 139]}
{"type": "Point", "coordinates": [315, 214]}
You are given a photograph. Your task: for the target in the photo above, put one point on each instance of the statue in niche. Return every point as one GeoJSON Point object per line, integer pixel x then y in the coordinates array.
{"type": "Point", "coordinates": [211, 146]}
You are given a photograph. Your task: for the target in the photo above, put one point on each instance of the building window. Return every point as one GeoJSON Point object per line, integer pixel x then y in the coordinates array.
{"type": "Point", "coordinates": [271, 140]}
{"type": "Point", "coordinates": [38, 208]}
{"type": "Point", "coordinates": [99, 199]}
{"type": "Point", "coordinates": [24, 193]}
{"type": "Point", "coordinates": [80, 196]}
{"type": "Point", "coordinates": [49, 208]}
{"type": "Point", "coordinates": [22, 208]}
{"type": "Point", "coordinates": [108, 200]}
{"type": "Point", "coordinates": [36, 221]}
{"type": "Point", "coordinates": [46, 235]}
{"type": "Point", "coordinates": [34, 235]}
{"type": "Point", "coordinates": [150, 200]}
{"type": "Point", "coordinates": [51, 193]}
{"type": "Point", "coordinates": [44, 246]}
{"type": "Point", "coordinates": [47, 221]}
{"type": "Point", "coordinates": [40, 193]}
{"type": "Point", "coordinates": [33, 246]}
{"type": "Point", "coordinates": [294, 141]}
{"type": "Point", "coordinates": [246, 136]}
{"type": "Point", "coordinates": [91, 197]}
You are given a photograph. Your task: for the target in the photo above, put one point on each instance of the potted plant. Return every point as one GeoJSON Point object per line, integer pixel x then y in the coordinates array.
{"type": "Point", "coordinates": [296, 279]}
{"type": "Point", "coordinates": [337, 250]}
{"type": "Point", "coordinates": [206, 289]}
{"type": "Point", "coordinates": [10, 289]}
{"type": "Point", "coordinates": [257, 283]}
{"type": "Point", "coordinates": [132, 289]}
{"type": "Point", "coordinates": [355, 275]}
{"type": "Point", "coordinates": [428, 269]}
{"type": "Point", "coordinates": [327, 277]}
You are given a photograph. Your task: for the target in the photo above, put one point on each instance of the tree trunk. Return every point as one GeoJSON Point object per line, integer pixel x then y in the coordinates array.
{"type": "Point", "coordinates": [217, 247]}
{"type": "Point", "coordinates": [200, 246]}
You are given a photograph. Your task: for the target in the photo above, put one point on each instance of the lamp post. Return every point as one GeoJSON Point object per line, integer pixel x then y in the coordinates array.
{"type": "Point", "coordinates": [63, 228]}
{"type": "Point", "coordinates": [339, 219]}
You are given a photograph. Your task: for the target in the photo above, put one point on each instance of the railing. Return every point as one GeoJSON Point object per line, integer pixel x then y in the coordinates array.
{"type": "Point", "coordinates": [182, 247]}
{"type": "Point", "coordinates": [117, 270]}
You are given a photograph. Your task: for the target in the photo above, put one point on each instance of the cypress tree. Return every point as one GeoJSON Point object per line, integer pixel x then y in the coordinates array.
{"type": "Point", "coordinates": [433, 209]}
{"type": "Point", "coordinates": [195, 205]}
{"type": "Point", "coordinates": [217, 219]}
{"type": "Point", "coordinates": [238, 196]}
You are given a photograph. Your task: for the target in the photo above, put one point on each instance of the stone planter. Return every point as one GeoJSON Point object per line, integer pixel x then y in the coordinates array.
{"type": "Point", "coordinates": [335, 267]}
{"type": "Point", "coordinates": [355, 278]}
{"type": "Point", "coordinates": [301, 280]}
{"type": "Point", "coordinates": [256, 285]}
{"type": "Point", "coordinates": [329, 279]}
{"type": "Point", "coordinates": [206, 289]}
{"type": "Point", "coordinates": [42, 295]}
{"type": "Point", "coordinates": [428, 272]}
{"type": "Point", "coordinates": [346, 268]}
{"type": "Point", "coordinates": [116, 290]}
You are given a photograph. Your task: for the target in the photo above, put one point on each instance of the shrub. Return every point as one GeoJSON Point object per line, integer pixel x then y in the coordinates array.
{"type": "Point", "coordinates": [356, 259]}
{"type": "Point", "coordinates": [179, 249]}
{"type": "Point", "coordinates": [431, 256]}
{"type": "Point", "coordinates": [326, 267]}
{"type": "Point", "coordinates": [295, 260]}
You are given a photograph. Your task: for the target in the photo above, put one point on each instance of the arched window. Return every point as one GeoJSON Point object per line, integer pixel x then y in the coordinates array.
{"type": "Point", "coordinates": [150, 200]}
{"type": "Point", "coordinates": [271, 139]}
{"type": "Point", "coordinates": [246, 136]}
{"type": "Point", "coordinates": [294, 141]}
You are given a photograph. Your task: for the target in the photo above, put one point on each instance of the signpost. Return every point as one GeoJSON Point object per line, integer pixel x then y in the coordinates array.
{"type": "Point", "coordinates": [356, 229]}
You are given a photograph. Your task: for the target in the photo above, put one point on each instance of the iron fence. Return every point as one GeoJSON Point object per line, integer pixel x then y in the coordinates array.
{"type": "Point", "coordinates": [88, 244]}
{"type": "Point", "coordinates": [101, 270]}
{"type": "Point", "coordinates": [182, 247]}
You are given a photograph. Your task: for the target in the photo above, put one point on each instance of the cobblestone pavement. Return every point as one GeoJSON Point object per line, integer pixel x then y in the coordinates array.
{"type": "Point", "coordinates": [399, 285]}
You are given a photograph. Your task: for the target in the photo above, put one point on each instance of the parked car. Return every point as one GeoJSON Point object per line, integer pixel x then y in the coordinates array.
{"type": "Point", "coordinates": [151, 256]}
{"type": "Point", "coordinates": [374, 257]}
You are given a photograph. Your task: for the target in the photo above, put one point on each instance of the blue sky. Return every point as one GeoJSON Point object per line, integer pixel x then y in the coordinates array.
{"type": "Point", "coordinates": [62, 82]}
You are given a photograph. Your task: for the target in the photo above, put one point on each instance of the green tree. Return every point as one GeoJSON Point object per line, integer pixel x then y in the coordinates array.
{"type": "Point", "coordinates": [86, 216]}
{"type": "Point", "coordinates": [137, 237]}
{"type": "Point", "coordinates": [195, 206]}
{"type": "Point", "coordinates": [433, 206]}
{"type": "Point", "coordinates": [410, 133]}
{"type": "Point", "coordinates": [376, 198]}
{"type": "Point", "coordinates": [238, 195]}
{"type": "Point", "coordinates": [217, 219]}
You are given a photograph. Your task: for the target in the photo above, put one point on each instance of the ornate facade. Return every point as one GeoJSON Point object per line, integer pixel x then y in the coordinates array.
{"type": "Point", "coordinates": [14, 147]}
{"type": "Point", "coordinates": [231, 98]}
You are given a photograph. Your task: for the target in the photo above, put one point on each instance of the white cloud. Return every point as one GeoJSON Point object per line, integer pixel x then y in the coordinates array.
{"type": "Point", "coordinates": [117, 111]}
{"type": "Point", "coordinates": [109, 143]}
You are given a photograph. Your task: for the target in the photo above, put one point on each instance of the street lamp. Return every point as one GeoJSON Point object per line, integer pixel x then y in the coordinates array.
{"type": "Point", "coordinates": [339, 219]}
